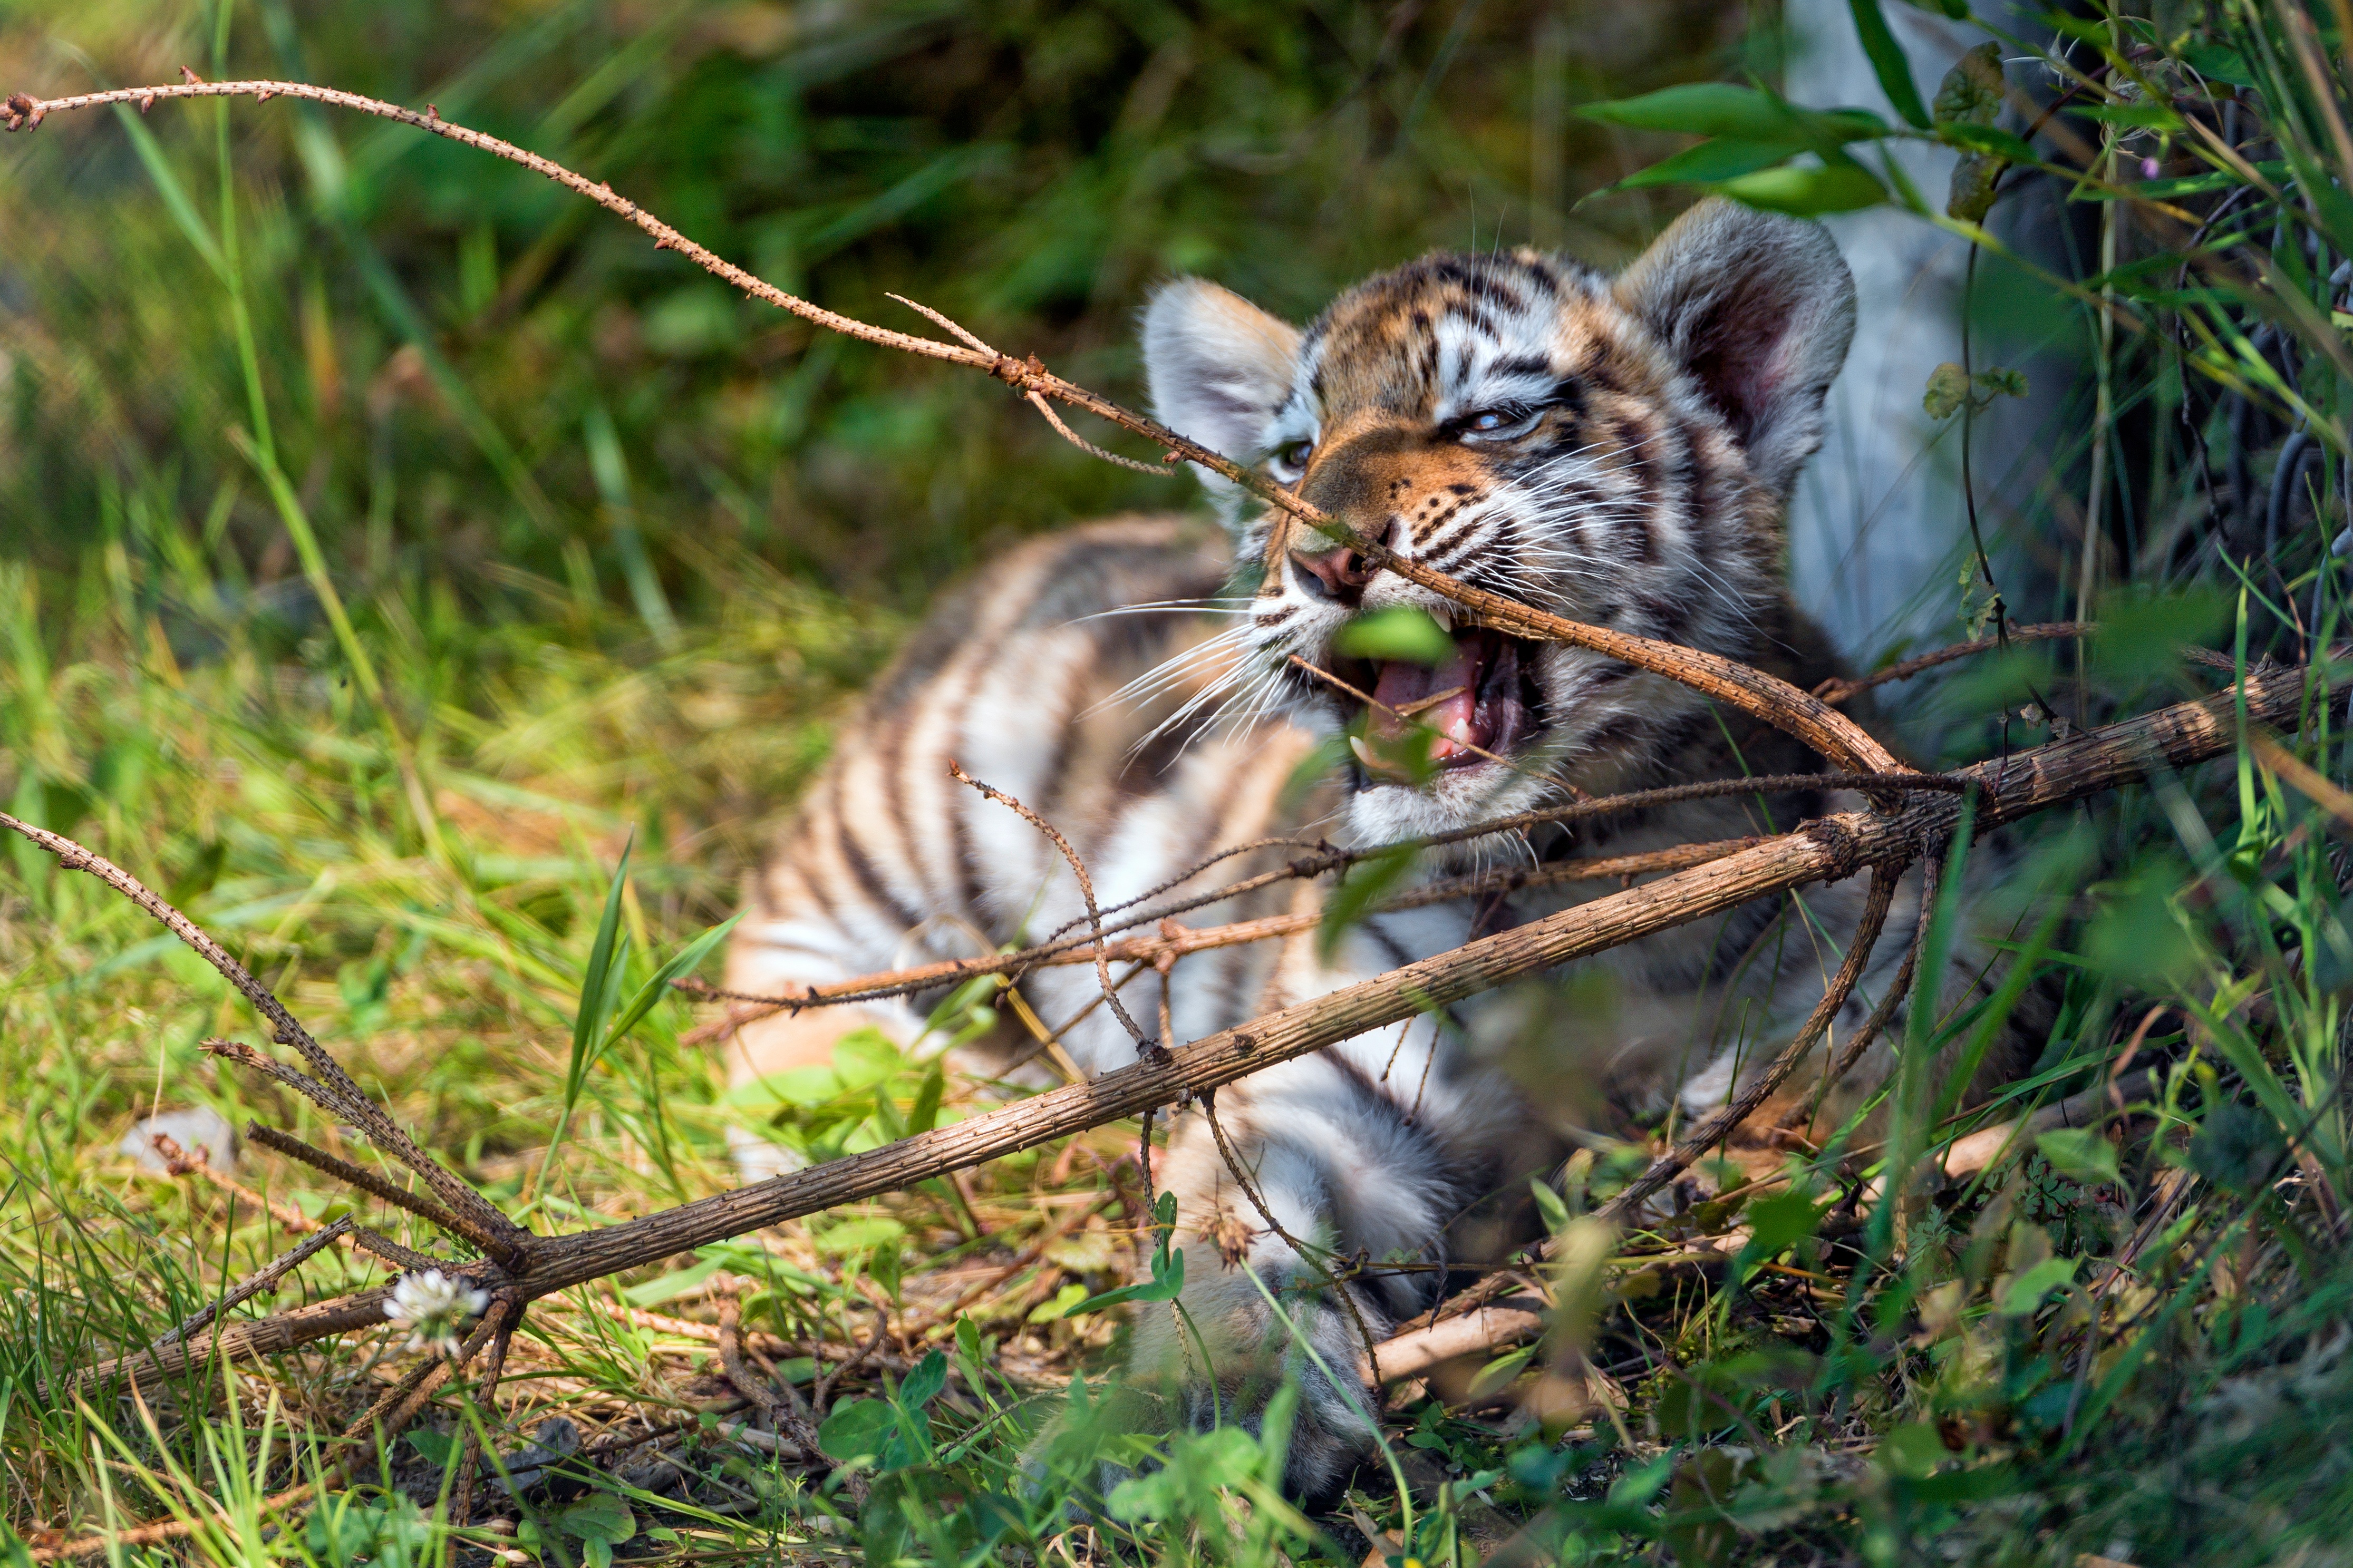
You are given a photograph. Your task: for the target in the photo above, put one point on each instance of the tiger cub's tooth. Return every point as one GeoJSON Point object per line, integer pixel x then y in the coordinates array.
{"type": "Point", "coordinates": [1364, 752]}
{"type": "Point", "coordinates": [1444, 616]}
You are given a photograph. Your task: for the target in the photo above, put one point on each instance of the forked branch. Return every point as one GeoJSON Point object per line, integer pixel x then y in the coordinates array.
{"type": "Point", "coordinates": [1827, 849]}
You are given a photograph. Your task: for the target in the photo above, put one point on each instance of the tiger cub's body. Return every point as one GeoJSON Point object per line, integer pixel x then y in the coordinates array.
{"type": "Point", "coordinates": [1616, 450]}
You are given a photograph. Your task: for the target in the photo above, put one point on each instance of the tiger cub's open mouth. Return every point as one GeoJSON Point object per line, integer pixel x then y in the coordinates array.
{"type": "Point", "coordinates": [1473, 709]}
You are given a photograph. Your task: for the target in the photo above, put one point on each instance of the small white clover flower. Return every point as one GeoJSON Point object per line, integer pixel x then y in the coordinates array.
{"type": "Point", "coordinates": [432, 1306]}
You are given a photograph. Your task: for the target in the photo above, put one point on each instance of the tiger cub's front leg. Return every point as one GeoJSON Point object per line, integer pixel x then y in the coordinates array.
{"type": "Point", "coordinates": [1311, 1228]}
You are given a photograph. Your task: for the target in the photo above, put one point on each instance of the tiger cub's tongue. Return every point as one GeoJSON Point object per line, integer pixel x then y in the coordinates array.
{"type": "Point", "coordinates": [1403, 696]}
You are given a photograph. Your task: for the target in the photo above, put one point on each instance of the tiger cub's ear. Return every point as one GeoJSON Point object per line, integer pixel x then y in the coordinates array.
{"type": "Point", "coordinates": [1218, 367]}
{"type": "Point", "coordinates": [1759, 308]}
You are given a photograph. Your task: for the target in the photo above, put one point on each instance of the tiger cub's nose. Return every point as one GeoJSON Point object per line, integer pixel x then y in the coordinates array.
{"type": "Point", "coordinates": [1337, 574]}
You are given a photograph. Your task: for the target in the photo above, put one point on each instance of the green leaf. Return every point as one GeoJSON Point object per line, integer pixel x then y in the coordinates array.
{"type": "Point", "coordinates": [923, 1383]}
{"type": "Point", "coordinates": [1401, 631]}
{"type": "Point", "coordinates": [1739, 114]}
{"type": "Point", "coordinates": [438, 1448]}
{"type": "Point", "coordinates": [669, 1286]}
{"type": "Point", "coordinates": [2236, 1147]}
{"type": "Point", "coordinates": [2024, 1292]}
{"type": "Point", "coordinates": [599, 1518]}
{"type": "Point", "coordinates": [1067, 1298]}
{"type": "Point", "coordinates": [2080, 1154]}
{"type": "Point", "coordinates": [1198, 1468]}
{"type": "Point", "coordinates": [2001, 382]}
{"type": "Point", "coordinates": [1705, 108]}
{"type": "Point", "coordinates": [2217, 63]}
{"type": "Point", "coordinates": [1913, 1449]}
{"type": "Point", "coordinates": [1168, 1267]}
{"type": "Point", "coordinates": [1807, 192]}
{"type": "Point", "coordinates": [864, 1058]}
{"type": "Point", "coordinates": [1723, 158]}
{"type": "Point", "coordinates": [1549, 1206]}
{"type": "Point", "coordinates": [681, 963]}
{"type": "Point", "coordinates": [1779, 1223]}
{"type": "Point", "coordinates": [925, 1112]}
{"type": "Point", "coordinates": [1500, 1372]}
{"type": "Point", "coordinates": [1973, 92]}
{"type": "Point", "coordinates": [2134, 116]}
{"type": "Point", "coordinates": [855, 1430]}
{"type": "Point", "coordinates": [598, 997]}
{"type": "Point", "coordinates": [1887, 62]}
{"type": "Point", "coordinates": [1989, 139]}
{"type": "Point", "coordinates": [858, 1235]}
{"type": "Point", "coordinates": [1948, 388]}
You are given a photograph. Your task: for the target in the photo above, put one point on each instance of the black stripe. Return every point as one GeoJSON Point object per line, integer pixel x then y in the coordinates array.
{"type": "Point", "coordinates": [870, 881]}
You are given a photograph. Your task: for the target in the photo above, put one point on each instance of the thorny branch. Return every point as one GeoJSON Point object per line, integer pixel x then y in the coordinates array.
{"type": "Point", "coordinates": [471, 1214]}
{"type": "Point", "coordinates": [1827, 849]}
{"type": "Point", "coordinates": [1807, 716]}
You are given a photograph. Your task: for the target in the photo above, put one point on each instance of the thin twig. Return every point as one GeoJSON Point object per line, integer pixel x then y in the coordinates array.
{"type": "Point", "coordinates": [1931, 879]}
{"type": "Point", "coordinates": [358, 1176]}
{"type": "Point", "coordinates": [1301, 1249]}
{"type": "Point", "coordinates": [1144, 1044]}
{"type": "Point", "coordinates": [469, 1453]}
{"type": "Point", "coordinates": [903, 982]}
{"type": "Point", "coordinates": [1839, 689]}
{"type": "Point", "coordinates": [1831, 847]}
{"type": "Point", "coordinates": [406, 1259]}
{"type": "Point", "coordinates": [254, 1284]}
{"type": "Point", "coordinates": [757, 1389]}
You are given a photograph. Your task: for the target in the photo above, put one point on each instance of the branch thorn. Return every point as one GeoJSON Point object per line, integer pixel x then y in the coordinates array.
{"type": "Point", "coordinates": [191, 77]}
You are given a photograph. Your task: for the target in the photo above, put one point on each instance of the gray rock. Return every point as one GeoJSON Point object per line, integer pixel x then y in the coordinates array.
{"type": "Point", "coordinates": [198, 1129]}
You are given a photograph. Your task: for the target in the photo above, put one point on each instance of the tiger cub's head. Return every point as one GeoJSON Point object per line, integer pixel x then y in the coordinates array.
{"type": "Point", "coordinates": [1616, 450]}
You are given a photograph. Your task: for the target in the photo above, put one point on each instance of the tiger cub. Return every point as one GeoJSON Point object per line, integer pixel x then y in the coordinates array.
{"type": "Point", "coordinates": [1618, 450]}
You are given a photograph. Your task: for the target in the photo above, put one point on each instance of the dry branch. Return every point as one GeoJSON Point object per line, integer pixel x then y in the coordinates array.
{"type": "Point", "coordinates": [1798, 713]}
{"type": "Point", "coordinates": [1826, 848]}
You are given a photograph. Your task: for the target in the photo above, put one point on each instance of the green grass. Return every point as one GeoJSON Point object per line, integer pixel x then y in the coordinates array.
{"type": "Point", "coordinates": [385, 545]}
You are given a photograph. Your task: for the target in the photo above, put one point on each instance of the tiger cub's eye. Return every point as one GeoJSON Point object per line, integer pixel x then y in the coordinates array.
{"type": "Point", "coordinates": [1493, 424]}
{"type": "Point", "coordinates": [1291, 459]}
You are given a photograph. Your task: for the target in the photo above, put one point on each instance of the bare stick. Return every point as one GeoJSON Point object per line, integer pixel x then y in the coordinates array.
{"type": "Point", "coordinates": [344, 1170]}
{"type": "Point", "coordinates": [1175, 940]}
{"type": "Point", "coordinates": [469, 1454]}
{"type": "Point", "coordinates": [1840, 689]}
{"type": "Point", "coordinates": [1931, 879]}
{"type": "Point", "coordinates": [477, 1221]}
{"type": "Point", "coordinates": [255, 1284]}
{"type": "Point", "coordinates": [1798, 713]}
{"type": "Point", "coordinates": [1827, 849]}
{"type": "Point", "coordinates": [406, 1259]}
